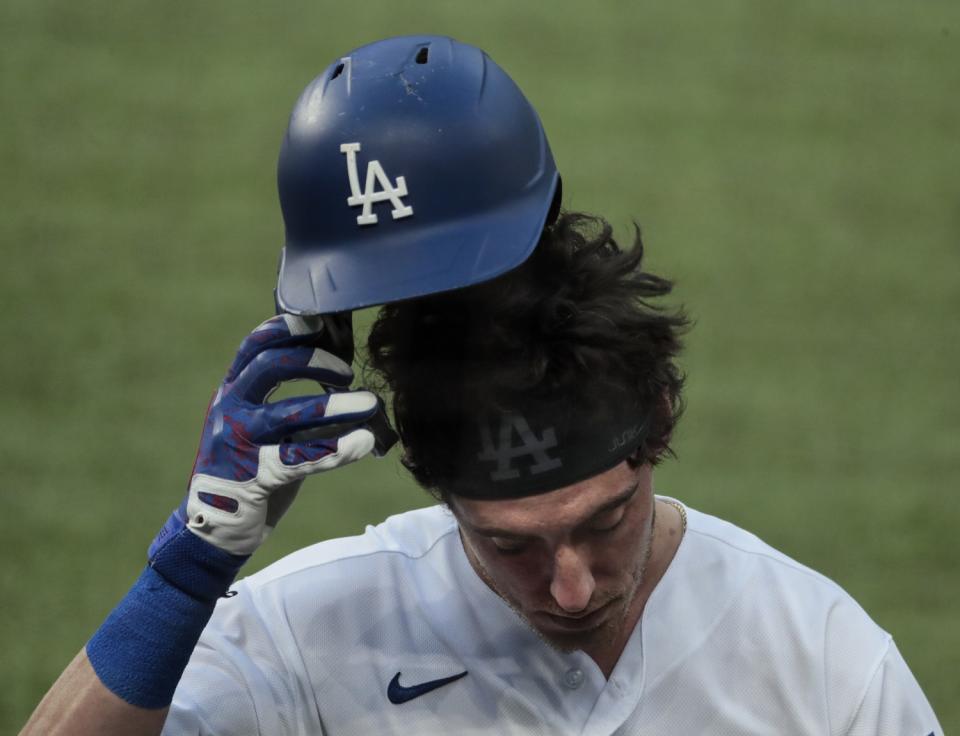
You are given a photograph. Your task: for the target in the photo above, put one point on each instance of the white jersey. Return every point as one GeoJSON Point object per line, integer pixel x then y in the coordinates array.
{"type": "Point", "coordinates": [371, 634]}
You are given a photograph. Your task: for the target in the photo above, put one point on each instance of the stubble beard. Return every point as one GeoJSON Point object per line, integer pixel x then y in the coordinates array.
{"type": "Point", "coordinates": [607, 632]}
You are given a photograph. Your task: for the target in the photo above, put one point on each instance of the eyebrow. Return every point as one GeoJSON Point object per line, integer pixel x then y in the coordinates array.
{"type": "Point", "coordinates": [610, 505]}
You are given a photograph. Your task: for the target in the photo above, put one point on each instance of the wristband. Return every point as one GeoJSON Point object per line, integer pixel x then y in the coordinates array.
{"type": "Point", "coordinates": [195, 566]}
{"type": "Point", "coordinates": [141, 650]}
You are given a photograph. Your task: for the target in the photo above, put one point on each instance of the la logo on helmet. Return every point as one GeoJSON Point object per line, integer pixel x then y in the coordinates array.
{"type": "Point", "coordinates": [370, 195]}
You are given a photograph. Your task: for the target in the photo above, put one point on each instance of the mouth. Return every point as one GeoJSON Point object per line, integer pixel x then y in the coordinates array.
{"type": "Point", "coordinates": [580, 621]}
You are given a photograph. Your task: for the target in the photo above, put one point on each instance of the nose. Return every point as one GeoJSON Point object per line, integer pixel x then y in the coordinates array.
{"type": "Point", "coordinates": [572, 584]}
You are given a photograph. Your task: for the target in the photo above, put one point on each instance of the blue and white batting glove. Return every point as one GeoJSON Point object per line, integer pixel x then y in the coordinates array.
{"type": "Point", "coordinates": [253, 457]}
{"type": "Point", "coordinates": [254, 454]}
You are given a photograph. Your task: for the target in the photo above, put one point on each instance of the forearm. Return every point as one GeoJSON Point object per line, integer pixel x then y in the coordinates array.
{"type": "Point", "coordinates": [123, 680]}
{"type": "Point", "coordinates": [79, 704]}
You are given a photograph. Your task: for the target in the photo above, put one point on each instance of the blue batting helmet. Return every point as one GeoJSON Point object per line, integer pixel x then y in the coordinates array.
{"type": "Point", "coordinates": [410, 166]}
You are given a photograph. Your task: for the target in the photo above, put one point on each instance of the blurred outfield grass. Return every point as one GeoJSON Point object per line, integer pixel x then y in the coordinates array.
{"type": "Point", "coordinates": [796, 167]}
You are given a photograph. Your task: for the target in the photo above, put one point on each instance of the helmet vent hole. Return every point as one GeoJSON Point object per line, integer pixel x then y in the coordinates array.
{"type": "Point", "coordinates": [336, 72]}
{"type": "Point", "coordinates": [422, 55]}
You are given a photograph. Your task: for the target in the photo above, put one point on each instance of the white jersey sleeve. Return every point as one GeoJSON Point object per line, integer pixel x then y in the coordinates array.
{"type": "Point", "coordinates": [894, 704]}
{"type": "Point", "coordinates": [869, 688]}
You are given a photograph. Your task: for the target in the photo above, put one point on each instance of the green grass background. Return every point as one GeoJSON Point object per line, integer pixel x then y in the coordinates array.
{"type": "Point", "coordinates": [795, 166]}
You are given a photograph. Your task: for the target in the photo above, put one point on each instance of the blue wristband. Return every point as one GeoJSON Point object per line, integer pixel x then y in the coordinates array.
{"type": "Point", "coordinates": [142, 649]}
{"type": "Point", "coordinates": [195, 566]}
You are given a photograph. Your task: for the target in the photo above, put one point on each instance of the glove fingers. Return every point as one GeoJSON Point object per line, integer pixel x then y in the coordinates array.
{"type": "Point", "coordinates": [269, 368]}
{"type": "Point", "coordinates": [319, 455]}
{"type": "Point", "coordinates": [281, 331]}
{"type": "Point", "coordinates": [327, 413]}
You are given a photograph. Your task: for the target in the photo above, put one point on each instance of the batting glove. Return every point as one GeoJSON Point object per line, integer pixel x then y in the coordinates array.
{"type": "Point", "coordinates": [254, 454]}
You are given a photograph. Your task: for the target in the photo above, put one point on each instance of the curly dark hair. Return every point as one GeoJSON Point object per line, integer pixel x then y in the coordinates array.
{"type": "Point", "coordinates": [577, 310]}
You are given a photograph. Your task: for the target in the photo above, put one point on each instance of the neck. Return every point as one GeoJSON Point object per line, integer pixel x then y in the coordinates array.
{"type": "Point", "coordinates": [667, 533]}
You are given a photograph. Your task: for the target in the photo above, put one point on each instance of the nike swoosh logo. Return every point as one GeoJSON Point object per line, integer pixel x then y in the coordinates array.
{"type": "Point", "coordinates": [398, 694]}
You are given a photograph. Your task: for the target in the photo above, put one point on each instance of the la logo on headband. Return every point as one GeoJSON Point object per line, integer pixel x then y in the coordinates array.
{"type": "Point", "coordinates": [506, 452]}
{"type": "Point", "coordinates": [370, 195]}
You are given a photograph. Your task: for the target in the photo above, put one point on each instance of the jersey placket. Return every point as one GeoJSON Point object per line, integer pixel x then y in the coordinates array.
{"type": "Point", "coordinates": [564, 688]}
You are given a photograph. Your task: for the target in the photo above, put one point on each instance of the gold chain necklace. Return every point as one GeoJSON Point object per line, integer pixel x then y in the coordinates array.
{"type": "Point", "coordinates": [683, 515]}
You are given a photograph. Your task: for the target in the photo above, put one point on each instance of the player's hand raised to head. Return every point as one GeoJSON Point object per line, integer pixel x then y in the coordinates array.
{"type": "Point", "coordinates": [254, 454]}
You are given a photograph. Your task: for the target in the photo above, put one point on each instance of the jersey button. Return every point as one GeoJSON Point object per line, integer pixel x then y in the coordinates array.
{"type": "Point", "coordinates": [573, 678]}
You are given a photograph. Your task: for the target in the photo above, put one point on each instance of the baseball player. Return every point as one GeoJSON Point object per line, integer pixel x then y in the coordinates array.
{"type": "Point", "coordinates": [551, 590]}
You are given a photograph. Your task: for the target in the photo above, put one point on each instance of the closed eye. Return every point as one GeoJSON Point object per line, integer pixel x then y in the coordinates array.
{"type": "Point", "coordinates": [508, 547]}
{"type": "Point", "coordinates": [607, 529]}
{"type": "Point", "coordinates": [607, 521]}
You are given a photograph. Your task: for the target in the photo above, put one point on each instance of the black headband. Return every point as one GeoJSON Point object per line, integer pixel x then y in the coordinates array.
{"type": "Point", "coordinates": [539, 447]}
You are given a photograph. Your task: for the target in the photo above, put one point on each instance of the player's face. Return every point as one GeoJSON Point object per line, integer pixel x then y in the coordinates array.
{"type": "Point", "coordinates": [570, 561]}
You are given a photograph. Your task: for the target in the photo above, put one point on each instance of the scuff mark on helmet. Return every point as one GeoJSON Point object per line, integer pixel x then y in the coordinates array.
{"type": "Point", "coordinates": [408, 87]}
